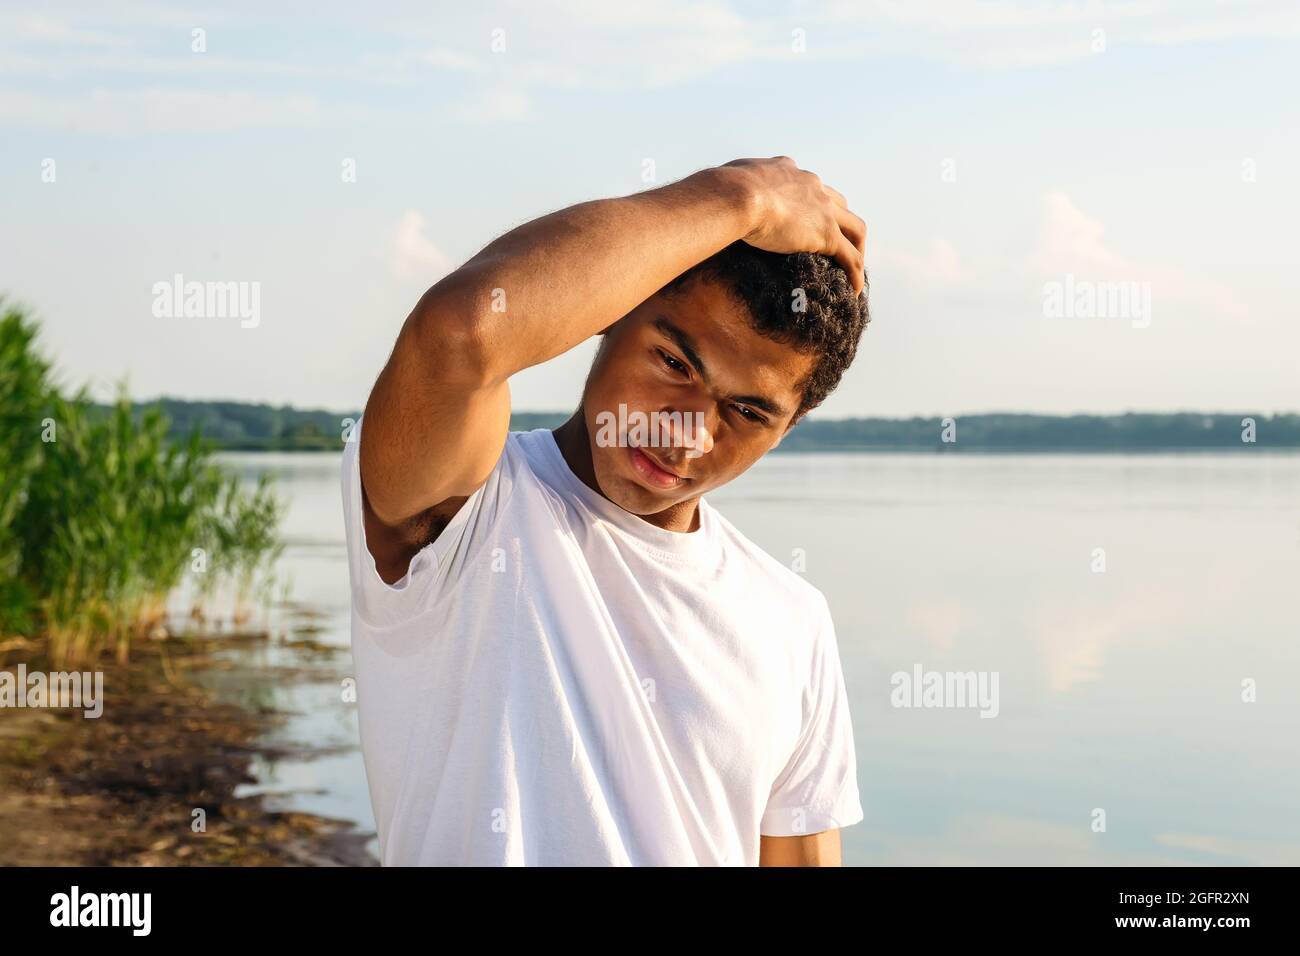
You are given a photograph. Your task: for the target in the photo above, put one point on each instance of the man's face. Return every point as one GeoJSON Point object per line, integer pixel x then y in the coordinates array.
{"type": "Point", "coordinates": [720, 396]}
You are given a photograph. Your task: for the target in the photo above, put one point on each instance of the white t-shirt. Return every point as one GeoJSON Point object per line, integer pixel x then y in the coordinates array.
{"type": "Point", "coordinates": [556, 681]}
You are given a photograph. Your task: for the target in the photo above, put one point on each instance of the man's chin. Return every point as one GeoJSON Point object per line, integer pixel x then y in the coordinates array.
{"type": "Point", "coordinates": [638, 500]}
{"type": "Point", "coordinates": [633, 497]}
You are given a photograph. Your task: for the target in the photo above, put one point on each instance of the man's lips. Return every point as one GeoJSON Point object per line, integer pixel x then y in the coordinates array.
{"type": "Point", "coordinates": [651, 471]}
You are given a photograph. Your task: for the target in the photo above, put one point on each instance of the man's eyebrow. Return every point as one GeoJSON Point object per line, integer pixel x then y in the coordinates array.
{"type": "Point", "coordinates": [683, 342]}
{"type": "Point", "coordinates": [758, 401]}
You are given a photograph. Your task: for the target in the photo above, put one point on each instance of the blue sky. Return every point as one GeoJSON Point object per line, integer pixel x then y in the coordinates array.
{"type": "Point", "coordinates": [991, 147]}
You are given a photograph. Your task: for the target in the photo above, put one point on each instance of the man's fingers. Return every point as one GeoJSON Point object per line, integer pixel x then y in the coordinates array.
{"type": "Point", "coordinates": [851, 247]}
{"type": "Point", "coordinates": [853, 227]}
{"type": "Point", "coordinates": [848, 256]}
{"type": "Point", "coordinates": [837, 196]}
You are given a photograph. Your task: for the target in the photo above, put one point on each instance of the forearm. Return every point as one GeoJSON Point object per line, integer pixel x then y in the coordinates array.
{"type": "Point", "coordinates": [554, 282]}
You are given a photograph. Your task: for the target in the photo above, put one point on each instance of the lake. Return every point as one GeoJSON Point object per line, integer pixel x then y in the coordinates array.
{"type": "Point", "coordinates": [1135, 614]}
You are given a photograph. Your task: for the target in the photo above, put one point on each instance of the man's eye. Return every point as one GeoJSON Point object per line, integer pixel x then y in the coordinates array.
{"type": "Point", "coordinates": [747, 413]}
{"type": "Point", "coordinates": [671, 362]}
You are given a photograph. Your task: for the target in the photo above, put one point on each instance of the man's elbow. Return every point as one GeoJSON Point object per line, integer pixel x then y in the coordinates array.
{"type": "Point", "coordinates": [451, 336]}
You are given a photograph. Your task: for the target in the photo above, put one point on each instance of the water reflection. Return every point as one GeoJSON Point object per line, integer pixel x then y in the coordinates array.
{"type": "Point", "coordinates": [1121, 690]}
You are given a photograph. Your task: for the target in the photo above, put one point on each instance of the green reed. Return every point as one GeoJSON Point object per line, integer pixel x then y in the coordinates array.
{"type": "Point", "coordinates": [102, 516]}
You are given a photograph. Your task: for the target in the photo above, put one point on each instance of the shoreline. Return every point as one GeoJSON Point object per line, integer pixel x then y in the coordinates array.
{"type": "Point", "coordinates": [153, 780]}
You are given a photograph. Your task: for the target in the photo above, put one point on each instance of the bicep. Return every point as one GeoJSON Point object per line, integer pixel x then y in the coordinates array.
{"type": "Point", "coordinates": [434, 427]}
{"type": "Point", "coordinates": [813, 849]}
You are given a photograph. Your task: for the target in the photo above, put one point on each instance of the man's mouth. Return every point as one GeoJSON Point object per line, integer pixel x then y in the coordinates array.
{"type": "Point", "coordinates": [652, 471]}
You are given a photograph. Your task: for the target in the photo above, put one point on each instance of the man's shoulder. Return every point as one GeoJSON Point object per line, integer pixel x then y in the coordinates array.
{"type": "Point", "coordinates": [526, 456]}
{"type": "Point", "coordinates": [527, 441]}
{"type": "Point", "coordinates": [770, 573]}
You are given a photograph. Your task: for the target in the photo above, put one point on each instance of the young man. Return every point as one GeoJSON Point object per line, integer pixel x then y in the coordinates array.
{"type": "Point", "coordinates": [564, 655]}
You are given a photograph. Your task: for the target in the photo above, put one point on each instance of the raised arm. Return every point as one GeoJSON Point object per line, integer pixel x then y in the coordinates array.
{"type": "Point", "coordinates": [439, 412]}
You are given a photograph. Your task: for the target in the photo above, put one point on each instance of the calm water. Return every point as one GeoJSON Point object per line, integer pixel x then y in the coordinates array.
{"type": "Point", "coordinates": [1118, 690]}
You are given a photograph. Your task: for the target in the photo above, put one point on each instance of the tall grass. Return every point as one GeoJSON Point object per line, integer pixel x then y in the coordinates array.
{"type": "Point", "coordinates": [25, 401]}
{"type": "Point", "coordinates": [242, 531]}
{"type": "Point", "coordinates": [101, 516]}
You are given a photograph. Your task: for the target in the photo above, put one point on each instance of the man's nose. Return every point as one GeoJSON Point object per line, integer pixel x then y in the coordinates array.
{"type": "Point", "coordinates": [689, 428]}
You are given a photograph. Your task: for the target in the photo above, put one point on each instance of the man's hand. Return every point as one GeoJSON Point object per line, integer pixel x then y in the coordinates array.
{"type": "Point", "coordinates": [800, 213]}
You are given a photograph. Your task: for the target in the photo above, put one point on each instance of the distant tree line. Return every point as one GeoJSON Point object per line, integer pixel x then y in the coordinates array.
{"type": "Point", "coordinates": [252, 427]}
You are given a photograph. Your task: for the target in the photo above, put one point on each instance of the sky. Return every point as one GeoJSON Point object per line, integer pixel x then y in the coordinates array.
{"type": "Point", "coordinates": [1078, 207]}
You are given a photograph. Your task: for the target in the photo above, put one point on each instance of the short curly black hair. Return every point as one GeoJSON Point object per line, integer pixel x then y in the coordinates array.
{"type": "Point", "coordinates": [803, 300]}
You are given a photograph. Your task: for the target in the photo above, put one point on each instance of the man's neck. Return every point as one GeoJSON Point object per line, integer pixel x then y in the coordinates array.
{"type": "Point", "coordinates": [575, 445]}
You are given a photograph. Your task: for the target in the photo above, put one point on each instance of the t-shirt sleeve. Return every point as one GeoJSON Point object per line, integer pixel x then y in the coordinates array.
{"type": "Point", "coordinates": [818, 788]}
{"type": "Point", "coordinates": [434, 567]}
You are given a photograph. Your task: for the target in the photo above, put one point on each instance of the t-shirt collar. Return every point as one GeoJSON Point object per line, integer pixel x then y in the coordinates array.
{"type": "Point", "coordinates": [698, 544]}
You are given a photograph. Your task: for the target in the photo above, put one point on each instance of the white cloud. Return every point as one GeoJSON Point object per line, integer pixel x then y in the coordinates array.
{"type": "Point", "coordinates": [188, 65]}
{"type": "Point", "coordinates": [593, 44]}
{"type": "Point", "coordinates": [1070, 241]}
{"type": "Point", "coordinates": [146, 110]}
{"type": "Point", "coordinates": [940, 263]}
{"type": "Point", "coordinates": [496, 105]}
{"type": "Point", "coordinates": [1073, 242]}
{"type": "Point", "coordinates": [1006, 34]}
{"type": "Point", "coordinates": [414, 254]}
{"type": "Point", "coordinates": [444, 58]}
{"type": "Point", "coordinates": [939, 623]}
{"type": "Point", "coordinates": [582, 45]}
{"type": "Point", "coordinates": [573, 45]}
{"type": "Point", "coordinates": [43, 29]}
